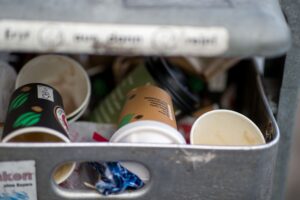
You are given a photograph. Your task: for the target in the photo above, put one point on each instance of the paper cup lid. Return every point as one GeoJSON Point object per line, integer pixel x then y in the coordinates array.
{"type": "Point", "coordinates": [148, 132]}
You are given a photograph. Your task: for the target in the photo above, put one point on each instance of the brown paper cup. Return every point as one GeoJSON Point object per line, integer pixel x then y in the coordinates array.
{"type": "Point", "coordinates": [148, 103]}
{"type": "Point", "coordinates": [147, 117]}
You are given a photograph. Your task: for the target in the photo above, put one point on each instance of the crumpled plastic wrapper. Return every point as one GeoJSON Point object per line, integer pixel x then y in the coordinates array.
{"type": "Point", "coordinates": [103, 177]}
{"type": "Point", "coordinates": [114, 178]}
{"type": "Point", "coordinates": [86, 132]}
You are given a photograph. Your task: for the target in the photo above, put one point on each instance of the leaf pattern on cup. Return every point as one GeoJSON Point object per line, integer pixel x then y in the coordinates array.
{"type": "Point", "coordinates": [138, 117]}
{"type": "Point", "coordinates": [26, 89]}
{"type": "Point", "coordinates": [18, 101]}
{"type": "Point", "coordinates": [37, 109]}
{"type": "Point", "coordinates": [27, 119]}
{"type": "Point", "coordinates": [125, 120]}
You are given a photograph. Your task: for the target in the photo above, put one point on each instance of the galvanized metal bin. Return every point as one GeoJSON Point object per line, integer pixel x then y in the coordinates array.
{"type": "Point", "coordinates": [177, 171]}
{"type": "Point", "coordinates": [138, 27]}
{"type": "Point", "coordinates": [242, 28]}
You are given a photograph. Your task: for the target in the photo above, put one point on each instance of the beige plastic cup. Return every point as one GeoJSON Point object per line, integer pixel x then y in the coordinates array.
{"type": "Point", "coordinates": [65, 75]}
{"type": "Point", "coordinates": [226, 128]}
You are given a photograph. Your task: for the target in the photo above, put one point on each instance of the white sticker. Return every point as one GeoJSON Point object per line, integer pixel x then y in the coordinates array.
{"type": "Point", "coordinates": [45, 92]}
{"type": "Point", "coordinates": [112, 38]}
{"type": "Point", "coordinates": [18, 180]}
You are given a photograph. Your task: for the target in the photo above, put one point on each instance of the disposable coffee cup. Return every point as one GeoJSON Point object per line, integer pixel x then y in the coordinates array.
{"type": "Point", "coordinates": [147, 117]}
{"type": "Point", "coordinates": [152, 132]}
{"type": "Point", "coordinates": [108, 111]}
{"type": "Point", "coordinates": [36, 114]}
{"type": "Point", "coordinates": [154, 71]}
{"type": "Point", "coordinates": [226, 128]}
{"type": "Point", "coordinates": [148, 103]}
{"type": "Point", "coordinates": [64, 74]}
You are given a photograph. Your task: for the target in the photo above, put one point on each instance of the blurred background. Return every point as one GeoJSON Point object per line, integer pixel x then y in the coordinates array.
{"type": "Point", "coordinates": [293, 192]}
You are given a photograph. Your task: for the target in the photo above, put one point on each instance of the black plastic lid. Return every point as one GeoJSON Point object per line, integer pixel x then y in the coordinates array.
{"type": "Point", "coordinates": [174, 81]}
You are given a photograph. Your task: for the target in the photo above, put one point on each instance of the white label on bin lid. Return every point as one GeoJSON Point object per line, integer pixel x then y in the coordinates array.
{"type": "Point", "coordinates": [18, 180]}
{"type": "Point", "coordinates": [112, 38]}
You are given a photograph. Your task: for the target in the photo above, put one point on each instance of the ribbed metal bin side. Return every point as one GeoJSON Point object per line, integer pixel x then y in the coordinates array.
{"type": "Point", "coordinates": [177, 171]}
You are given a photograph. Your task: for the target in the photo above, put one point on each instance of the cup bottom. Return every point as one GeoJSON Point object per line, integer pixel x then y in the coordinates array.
{"type": "Point", "coordinates": [77, 115]}
{"type": "Point", "coordinates": [63, 171]}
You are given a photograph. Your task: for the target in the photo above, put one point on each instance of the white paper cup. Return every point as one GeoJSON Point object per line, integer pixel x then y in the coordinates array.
{"type": "Point", "coordinates": [225, 127]}
{"type": "Point", "coordinates": [65, 75]}
{"type": "Point", "coordinates": [41, 134]}
{"type": "Point", "coordinates": [146, 132]}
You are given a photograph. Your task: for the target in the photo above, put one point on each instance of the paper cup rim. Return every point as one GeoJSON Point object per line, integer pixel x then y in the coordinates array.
{"type": "Point", "coordinates": [28, 130]}
{"type": "Point", "coordinates": [159, 127]}
{"type": "Point", "coordinates": [46, 131]}
{"type": "Point", "coordinates": [77, 65]}
{"type": "Point", "coordinates": [192, 134]}
{"type": "Point", "coordinates": [74, 118]}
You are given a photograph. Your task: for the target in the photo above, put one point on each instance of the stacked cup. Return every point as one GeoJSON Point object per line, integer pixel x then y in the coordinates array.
{"type": "Point", "coordinates": [46, 87]}
{"type": "Point", "coordinates": [36, 114]}
{"type": "Point", "coordinates": [64, 74]}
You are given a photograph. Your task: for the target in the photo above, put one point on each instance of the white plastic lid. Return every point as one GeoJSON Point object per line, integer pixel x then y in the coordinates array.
{"type": "Point", "coordinates": [148, 132]}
